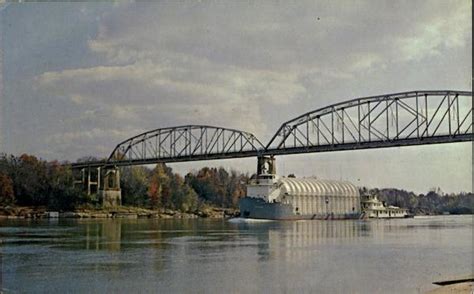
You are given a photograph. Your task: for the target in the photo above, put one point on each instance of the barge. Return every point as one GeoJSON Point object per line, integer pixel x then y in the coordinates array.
{"type": "Point", "coordinates": [288, 198]}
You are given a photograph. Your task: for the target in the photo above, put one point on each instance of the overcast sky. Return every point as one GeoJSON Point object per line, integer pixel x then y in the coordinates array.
{"type": "Point", "coordinates": [80, 77]}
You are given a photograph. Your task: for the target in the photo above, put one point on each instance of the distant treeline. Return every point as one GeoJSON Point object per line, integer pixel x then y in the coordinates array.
{"type": "Point", "coordinates": [29, 181]}
{"type": "Point", "coordinates": [434, 202]}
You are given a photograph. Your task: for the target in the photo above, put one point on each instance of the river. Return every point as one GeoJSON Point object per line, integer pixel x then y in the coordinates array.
{"type": "Point", "coordinates": [221, 256]}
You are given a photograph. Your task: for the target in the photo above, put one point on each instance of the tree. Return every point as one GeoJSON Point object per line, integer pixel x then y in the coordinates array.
{"type": "Point", "coordinates": [37, 182]}
{"type": "Point", "coordinates": [7, 196]}
{"type": "Point", "coordinates": [134, 184]}
{"type": "Point", "coordinates": [66, 198]}
{"type": "Point", "coordinates": [217, 186]}
{"type": "Point", "coordinates": [30, 178]}
{"type": "Point", "coordinates": [62, 195]}
{"type": "Point", "coordinates": [182, 196]}
{"type": "Point", "coordinates": [158, 189]}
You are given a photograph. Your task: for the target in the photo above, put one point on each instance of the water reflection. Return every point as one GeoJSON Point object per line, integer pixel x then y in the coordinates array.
{"type": "Point", "coordinates": [156, 255]}
{"type": "Point", "coordinates": [105, 235]}
{"type": "Point", "coordinates": [118, 235]}
{"type": "Point", "coordinates": [268, 237]}
{"type": "Point", "coordinates": [297, 240]}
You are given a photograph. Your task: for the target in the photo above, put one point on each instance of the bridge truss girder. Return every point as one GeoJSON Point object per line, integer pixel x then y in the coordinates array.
{"type": "Point", "coordinates": [185, 143]}
{"type": "Point", "coordinates": [401, 119]}
{"type": "Point", "coordinates": [409, 118]}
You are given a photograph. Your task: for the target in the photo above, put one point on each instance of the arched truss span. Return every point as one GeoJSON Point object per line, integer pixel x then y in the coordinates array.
{"type": "Point", "coordinates": [408, 118]}
{"type": "Point", "coordinates": [185, 143]}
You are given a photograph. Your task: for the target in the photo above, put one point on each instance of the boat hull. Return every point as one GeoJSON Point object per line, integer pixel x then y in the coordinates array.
{"type": "Point", "coordinates": [259, 209]}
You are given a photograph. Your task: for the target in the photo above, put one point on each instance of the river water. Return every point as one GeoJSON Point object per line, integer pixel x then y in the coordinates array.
{"type": "Point", "coordinates": [221, 256]}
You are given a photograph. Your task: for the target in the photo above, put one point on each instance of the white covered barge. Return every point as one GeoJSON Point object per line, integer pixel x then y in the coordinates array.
{"type": "Point", "coordinates": [272, 197]}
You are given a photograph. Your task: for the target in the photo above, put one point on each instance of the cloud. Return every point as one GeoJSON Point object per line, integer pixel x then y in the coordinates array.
{"type": "Point", "coordinates": [248, 66]}
{"type": "Point", "coordinates": [99, 141]}
{"type": "Point", "coordinates": [450, 29]}
{"type": "Point", "coordinates": [366, 62]}
{"type": "Point", "coordinates": [178, 93]}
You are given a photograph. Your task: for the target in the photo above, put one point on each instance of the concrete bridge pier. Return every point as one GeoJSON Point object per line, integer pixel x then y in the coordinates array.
{"type": "Point", "coordinates": [109, 193]}
{"type": "Point", "coordinates": [89, 180]}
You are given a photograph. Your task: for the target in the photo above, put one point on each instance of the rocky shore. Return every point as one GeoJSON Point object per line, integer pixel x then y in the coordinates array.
{"type": "Point", "coordinates": [17, 212]}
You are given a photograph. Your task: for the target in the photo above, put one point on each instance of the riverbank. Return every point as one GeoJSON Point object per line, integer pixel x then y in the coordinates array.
{"type": "Point", "coordinates": [21, 212]}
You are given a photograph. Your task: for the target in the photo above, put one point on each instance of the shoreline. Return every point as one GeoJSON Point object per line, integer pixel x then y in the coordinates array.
{"type": "Point", "coordinates": [22, 212]}
{"type": "Point", "coordinates": [26, 212]}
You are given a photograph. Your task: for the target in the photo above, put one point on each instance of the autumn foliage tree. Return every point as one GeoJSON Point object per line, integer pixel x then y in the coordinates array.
{"type": "Point", "coordinates": [169, 190]}
{"type": "Point", "coordinates": [158, 189]}
{"type": "Point", "coordinates": [7, 196]}
{"type": "Point", "coordinates": [218, 186]}
{"type": "Point", "coordinates": [36, 182]}
{"type": "Point", "coordinates": [29, 181]}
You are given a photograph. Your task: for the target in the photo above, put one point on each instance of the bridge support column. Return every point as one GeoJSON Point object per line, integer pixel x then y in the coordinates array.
{"type": "Point", "coordinates": [89, 181]}
{"type": "Point", "coordinates": [111, 195]}
{"type": "Point", "coordinates": [80, 181]}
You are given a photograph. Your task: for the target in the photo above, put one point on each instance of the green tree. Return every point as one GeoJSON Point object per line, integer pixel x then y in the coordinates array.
{"type": "Point", "coordinates": [30, 180]}
{"type": "Point", "coordinates": [183, 197]}
{"type": "Point", "coordinates": [66, 198]}
{"type": "Point", "coordinates": [134, 184]}
{"type": "Point", "coordinates": [62, 195]}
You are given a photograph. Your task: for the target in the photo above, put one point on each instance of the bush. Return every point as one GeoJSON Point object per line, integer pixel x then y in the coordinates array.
{"type": "Point", "coordinates": [66, 198]}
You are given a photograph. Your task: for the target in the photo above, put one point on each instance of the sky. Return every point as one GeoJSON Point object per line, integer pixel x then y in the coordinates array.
{"type": "Point", "coordinates": [78, 78]}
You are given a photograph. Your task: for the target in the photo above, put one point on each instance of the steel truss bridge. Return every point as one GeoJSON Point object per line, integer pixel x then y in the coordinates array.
{"type": "Point", "coordinates": [401, 119]}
